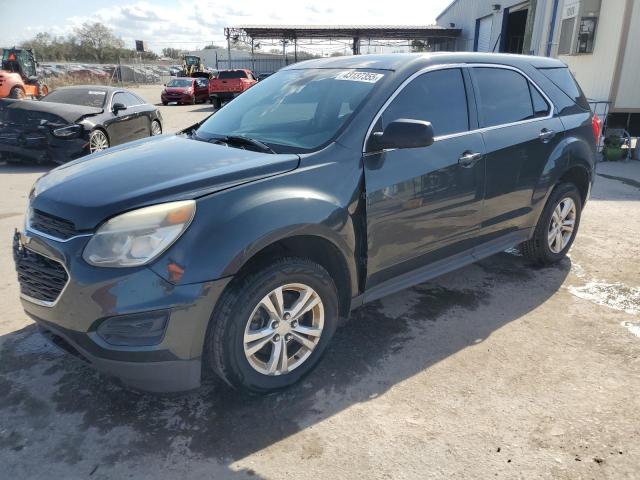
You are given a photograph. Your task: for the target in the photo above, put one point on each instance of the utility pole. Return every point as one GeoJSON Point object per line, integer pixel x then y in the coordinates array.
{"type": "Point", "coordinates": [228, 35]}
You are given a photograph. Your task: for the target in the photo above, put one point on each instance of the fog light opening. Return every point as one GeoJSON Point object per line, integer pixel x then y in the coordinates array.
{"type": "Point", "coordinates": [140, 329]}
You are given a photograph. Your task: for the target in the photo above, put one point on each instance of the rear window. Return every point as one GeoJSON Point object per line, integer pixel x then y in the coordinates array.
{"type": "Point", "coordinates": [225, 74]}
{"type": "Point", "coordinates": [562, 78]}
{"type": "Point", "coordinates": [78, 96]}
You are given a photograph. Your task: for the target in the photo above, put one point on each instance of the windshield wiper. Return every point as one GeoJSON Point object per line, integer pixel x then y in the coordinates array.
{"type": "Point", "coordinates": [241, 139]}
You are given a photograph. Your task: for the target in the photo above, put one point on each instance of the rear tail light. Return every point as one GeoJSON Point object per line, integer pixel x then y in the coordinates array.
{"type": "Point", "coordinates": [596, 125]}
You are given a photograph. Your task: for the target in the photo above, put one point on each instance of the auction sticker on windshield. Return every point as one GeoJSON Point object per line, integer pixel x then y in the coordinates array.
{"type": "Point", "coordinates": [368, 77]}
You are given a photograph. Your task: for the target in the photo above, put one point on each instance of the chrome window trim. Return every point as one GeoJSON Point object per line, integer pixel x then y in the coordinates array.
{"type": "Point", "coordinates": [449, 66]}
{"type": "Point", "coordinates": [44, 303]}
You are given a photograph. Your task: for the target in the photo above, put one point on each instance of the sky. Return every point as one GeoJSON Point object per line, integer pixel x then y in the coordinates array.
{"type": "Point", "coordinates": [191, 25]}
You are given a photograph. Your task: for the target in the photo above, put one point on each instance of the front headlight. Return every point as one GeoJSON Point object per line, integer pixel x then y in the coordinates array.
{"type": "Point", "coordinates": [70, 131]}
{"type": "Point", "coordinates": [137, 237]}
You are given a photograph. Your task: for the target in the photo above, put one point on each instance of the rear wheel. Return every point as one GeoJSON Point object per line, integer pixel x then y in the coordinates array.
{"type": "Point", "coordinates": [272, 326]}
{"type": "Point", "coordinates": [557, 226]}
{"type": "Point", "coordinates": [217, 103]}
{"type": "Point", "coordinates": [98, 141]}
{"type": "Point", "coordinates": [17, 93]}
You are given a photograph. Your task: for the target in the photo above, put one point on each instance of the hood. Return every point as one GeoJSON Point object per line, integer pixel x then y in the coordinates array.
{"type": "Point", "coordinates": [154, 170]}
{"type": "Point", "coordinates": [16, 110]}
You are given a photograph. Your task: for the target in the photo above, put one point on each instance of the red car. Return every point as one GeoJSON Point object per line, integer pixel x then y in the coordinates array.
{"type": "Point", "coordinates": [185, 90]}
{"type": "Point", "coordinates": [229, 84]}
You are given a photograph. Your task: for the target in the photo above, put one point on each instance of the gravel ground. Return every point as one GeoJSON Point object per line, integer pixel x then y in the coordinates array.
{"type": "Point", "coordinates": [498, 370]}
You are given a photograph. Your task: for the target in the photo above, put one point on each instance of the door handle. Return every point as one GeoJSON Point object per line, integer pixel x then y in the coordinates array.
{"type": "Point", "coordinates": [546, 135]}
{"type": "Point", "coordinates": [469, 159]}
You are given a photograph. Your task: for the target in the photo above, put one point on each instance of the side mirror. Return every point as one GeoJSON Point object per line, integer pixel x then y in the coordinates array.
{"type": "Point", "coordinates": [118, 107]}
{"type": "Point", "coordinates": [402, 133]}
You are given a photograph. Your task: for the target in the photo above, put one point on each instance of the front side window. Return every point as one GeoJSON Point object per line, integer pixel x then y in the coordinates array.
{"type": "Point", "coordinates": [504, 96]}
{"type": "Point", "coordinates": [438, 97]}
{"type": "Point", "coordinates": [294, 110]}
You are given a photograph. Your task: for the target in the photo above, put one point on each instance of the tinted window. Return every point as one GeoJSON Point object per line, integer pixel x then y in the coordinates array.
{"type": "Point", "coordinates": [504, 96]}
{"type": "Point", "coordinates": [78, 96]}
{"type": "Point", "coordinates": [563, 79]}
{"type": "Point", "coordinates": [131, 100]}
{"type": "Point", "coordinates": [232, 74]}
{"type": "Point", "coordinates": [118, 98]}
{"type": "Point", "coordinates": [438, 97]}
{"type": "Point", "coordinates": [540, 106]}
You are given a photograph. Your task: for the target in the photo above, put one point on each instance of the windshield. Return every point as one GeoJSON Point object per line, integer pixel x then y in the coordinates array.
{"type": "Point", "coordinates": [293, 110]}
{"type": "Point", "coordinates": [180, 82]}
{"type": "Point", "coordinates": [78, 96]}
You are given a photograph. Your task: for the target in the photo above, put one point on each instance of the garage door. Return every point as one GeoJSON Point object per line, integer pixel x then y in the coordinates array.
{"type": "Point", "coordinates": [484, 34]}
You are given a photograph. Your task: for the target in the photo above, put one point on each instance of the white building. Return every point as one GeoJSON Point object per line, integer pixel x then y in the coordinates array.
{"type": "Point", "coordinates": [598, 39]}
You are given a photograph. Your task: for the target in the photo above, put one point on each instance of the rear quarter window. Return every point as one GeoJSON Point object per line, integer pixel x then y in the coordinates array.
{"type": "Point", "coordinates": [561, 77]}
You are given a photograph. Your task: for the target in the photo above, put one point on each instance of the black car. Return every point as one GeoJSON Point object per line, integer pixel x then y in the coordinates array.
{"type": "Point", "coordinates": [74, 121]}
{"type": "Point", "coordinates": [237, 245]}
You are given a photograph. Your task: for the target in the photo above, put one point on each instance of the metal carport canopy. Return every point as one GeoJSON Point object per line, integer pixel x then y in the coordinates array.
{"type": "Point", "coordinates": [399, 32]}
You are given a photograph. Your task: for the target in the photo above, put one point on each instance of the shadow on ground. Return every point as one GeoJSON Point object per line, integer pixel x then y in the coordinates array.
{"type": "Point", "coordinates": [54, 409]}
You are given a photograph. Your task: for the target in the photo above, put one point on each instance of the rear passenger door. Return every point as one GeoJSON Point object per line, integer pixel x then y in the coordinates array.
{"type": "Point", "coordinates": [520, 134]}
{"type": "Point", "coordinates": [424, 204]}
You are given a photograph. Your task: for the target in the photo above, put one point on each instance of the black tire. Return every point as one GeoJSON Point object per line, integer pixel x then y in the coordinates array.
{"type": "Point", "coordinates": [537, 249]}
{"type": "Point", "coordinates": [224, 345]}
{"type": "Point", "coordinates": [165, 103]}
{"type": "Point", "coordinates": [217, 103]}
{"type": "Point", "coordinates": [17, 93]}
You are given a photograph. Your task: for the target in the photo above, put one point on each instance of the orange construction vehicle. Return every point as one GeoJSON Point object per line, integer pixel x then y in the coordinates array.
{"type": "Point", "coordinates": [18, 77]}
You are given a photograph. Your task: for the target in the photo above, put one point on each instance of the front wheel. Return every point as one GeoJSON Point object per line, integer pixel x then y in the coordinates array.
{"type": "Point", "coordinates": [98, 141]}
{"type": "Point", "coordinates": [156, 128]}
{"type": "Point", "coordinates": [272, 326]}
{"type": "Point", "coordinates": [557, 226]}
{"type": "Point", "coordinates": [17, 93]}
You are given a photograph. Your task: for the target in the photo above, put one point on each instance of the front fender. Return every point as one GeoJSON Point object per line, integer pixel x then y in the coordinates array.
{"type": "Point", "coordinates": [232, 226]}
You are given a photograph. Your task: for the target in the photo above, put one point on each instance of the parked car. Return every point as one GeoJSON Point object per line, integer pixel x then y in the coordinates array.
{"type": "Point", "coordinates": [237, 245]}
{"type": "Point", "coordinates": [74, 121]}
{"type": "Point", "coordinates": [263, 76]}
{"type": "Point", "coordinates": [185, 90]}
{"type": "Point", "coordinates": [229, 84]}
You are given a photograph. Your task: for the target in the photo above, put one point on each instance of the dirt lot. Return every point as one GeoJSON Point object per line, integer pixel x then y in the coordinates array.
{"type": "Point", "coordinates": [499, 370]}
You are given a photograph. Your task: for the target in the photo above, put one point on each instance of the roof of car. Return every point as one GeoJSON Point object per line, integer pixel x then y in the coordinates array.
{"type": "Point", "coordinates": [396, 61]}
{"type": "Point", "coordinates": [92, 87]}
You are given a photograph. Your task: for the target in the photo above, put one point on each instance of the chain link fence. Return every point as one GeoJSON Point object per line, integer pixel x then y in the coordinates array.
{"type": "Point", "coordinates": [59, 74]}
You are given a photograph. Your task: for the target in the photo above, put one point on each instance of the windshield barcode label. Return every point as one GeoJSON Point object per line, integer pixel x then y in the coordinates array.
{"type": "Point", "coordinates": [360, 76]}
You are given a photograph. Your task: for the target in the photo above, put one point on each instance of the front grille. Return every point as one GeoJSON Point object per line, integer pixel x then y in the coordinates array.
{"type": "Point", "coordinates": [40, 277]}
{"type": "Point", "coordinates": [51, 225]}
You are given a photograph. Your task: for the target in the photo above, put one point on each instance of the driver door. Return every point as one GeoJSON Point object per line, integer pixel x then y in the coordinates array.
{"type": "Point", "coordinates": [122, 124]}
{"type": "Point", "coordinates": [424, 204]}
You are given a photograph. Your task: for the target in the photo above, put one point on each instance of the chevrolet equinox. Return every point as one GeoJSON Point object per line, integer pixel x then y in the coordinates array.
{"type": "Point", "coordinates": [238, 244]}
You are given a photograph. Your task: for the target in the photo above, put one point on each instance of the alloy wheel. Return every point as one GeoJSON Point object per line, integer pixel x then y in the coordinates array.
{"type": "Point", "coordinates": [98, 142]}
{"type": "Point", "coordinates": [284, 329]}
{"type": "Point", "coordinates": [562, 224]}
{"type": "Point", "coordinates": [156, 129]}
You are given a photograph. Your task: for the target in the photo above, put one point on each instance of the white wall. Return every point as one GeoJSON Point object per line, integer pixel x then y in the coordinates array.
{"type": "Point", "coordinates": [465, 12]}
{"type": "Point", "coordinates": [594, 71]}
{"type": "Point", "coordinates": [628, 96]}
